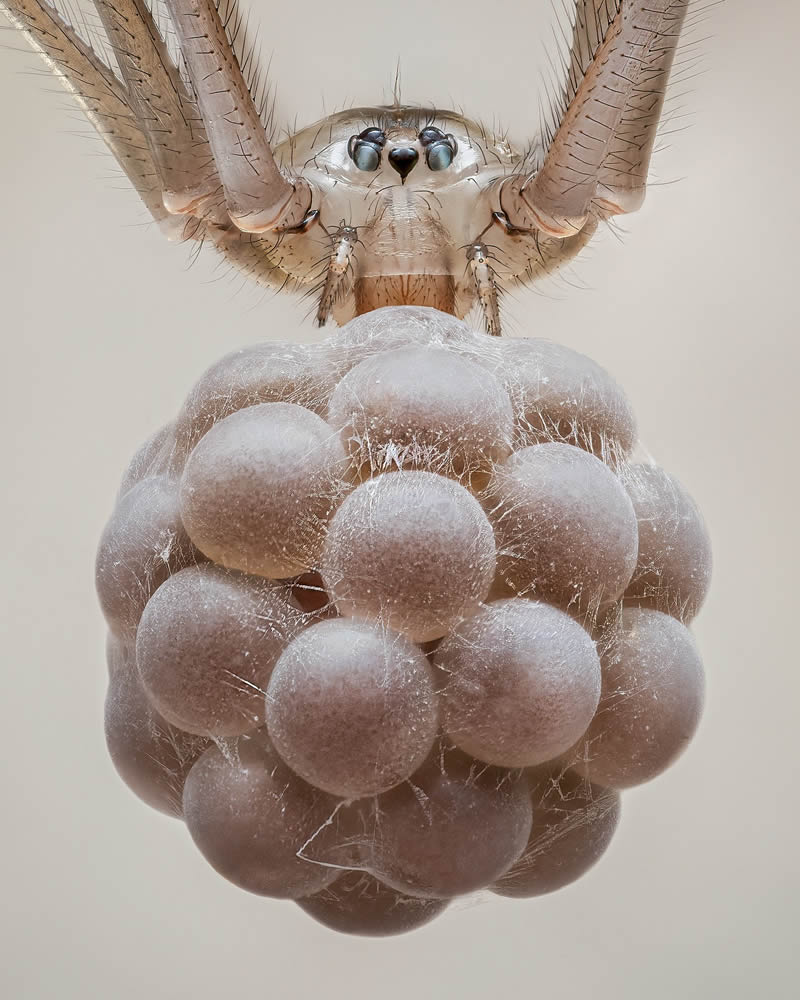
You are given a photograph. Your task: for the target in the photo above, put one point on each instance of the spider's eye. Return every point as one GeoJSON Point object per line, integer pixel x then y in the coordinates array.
{"type": "Point", "coordinates": [365, 148]}
{"type": "Point", "coordinates": [430, 134]}
{"type": "Point", "coordinates": [365, 155]}
{"type": "Point", "coordinates": [374, 135]}
{"type": "Point", "coordinates": [440, 155]}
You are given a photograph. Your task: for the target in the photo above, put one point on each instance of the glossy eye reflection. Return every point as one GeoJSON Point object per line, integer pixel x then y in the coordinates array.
{"type": "Point", "coordinates": [440, 149]}
{"type": "Point", "coordinates": [365, 148]}
{"type": "Point", "coordinates": [366, 156]}
{"type": "Point", "coordinates": [430, 134]}
{"type": "Point", "coordinates": [439, 155]}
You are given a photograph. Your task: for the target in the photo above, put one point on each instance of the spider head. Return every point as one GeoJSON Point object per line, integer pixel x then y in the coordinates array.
{"type": "Point", "coordinates": [372, 148]}
{"type": "Point", "coordinates": [399, 195]}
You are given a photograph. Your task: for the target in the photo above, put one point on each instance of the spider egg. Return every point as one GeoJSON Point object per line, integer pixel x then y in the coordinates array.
{"type": "Point", "coordinates": [206, 646]}
{"type": "Point", "coordinates": [573, 823]}
{"type": "Point", "coordinates": [560, 395]}
{"type": "Point", "coordinates": [411, 550]}
{"type": "Point", "coordinates": [425, 408]}
{"type": "Point", "coordinates": [650, 705]}
{"type": "Point", "coordinates": [150, 756]}
{"type": "Point", "coordinates": [257, 823]}
{"type": "Point", "coordinates": [673, 569]}
{"type": "Point", "coordinates": [151, 459]}
{"type": "Point", "coordinates": [357, 903]}
{"type": "Point", "coordinates": [455, 826]}
{"type": "Point", "coordinates": [260, 373]}
{"type": "Point", "coordinates": [520, 682]}
{"type": "Point", "coordinates": [142, 544]}
{"type": "Point", "coordinates": [398, 326]}
{"type": "Point", "coordinates": [258, 489]}
{"type": "Point", "coordinates": [351, 707]}
{"type": "Point", "coordinates": [566, 529]}
{"type": "Point", "coordinates": [392, 619]}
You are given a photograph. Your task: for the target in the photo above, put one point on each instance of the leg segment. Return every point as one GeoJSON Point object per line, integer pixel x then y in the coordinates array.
{"type": "Point", "coordinates": [248, 254]}
{"type": "Point", "coordinates": [621, 57]}
{"type": "Point", "coordinates": [258, 196]}
{"type": "Point", "coordinates": [101, 95]}
{"type": "Point", "coordinates": [167, 114]}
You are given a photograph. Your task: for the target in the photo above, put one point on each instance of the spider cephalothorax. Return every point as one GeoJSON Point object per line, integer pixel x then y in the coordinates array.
{"type": "Point", "coordinates": [372, 206]}
{"type": "Point", "coordinates": [405, 209]}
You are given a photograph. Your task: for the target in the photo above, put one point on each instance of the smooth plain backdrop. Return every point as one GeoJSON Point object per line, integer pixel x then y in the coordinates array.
{"type": "Point", "coordinates": [105, 327]}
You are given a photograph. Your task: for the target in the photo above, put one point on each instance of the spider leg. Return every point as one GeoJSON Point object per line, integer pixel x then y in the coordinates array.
{"type": "Point", "coordinates": [102, 96]}
{"type": "Point", "coordinates": [248, 254]}
{"type": "Point", "coordinates": [258, 197]}
{"type": "Point", "coordinates": [167, 114]}
{"type": "Point", "coordinates": [620, 61]}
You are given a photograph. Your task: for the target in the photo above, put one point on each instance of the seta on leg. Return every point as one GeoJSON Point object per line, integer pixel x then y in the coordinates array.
{"type": "Point", "coordinates": [103, 98]}
{"type": "Point", "coordinates": [167, 113]}
{"type": "Point", "coordinates": [621, 56]}
{"type": "Point", "coordinates": [258, 197]}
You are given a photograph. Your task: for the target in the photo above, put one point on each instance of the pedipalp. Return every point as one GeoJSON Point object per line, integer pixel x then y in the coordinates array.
{"type": "Point", "coordinates": [485, 286]}
{"type": "Point", "coordinates": [339, 273]}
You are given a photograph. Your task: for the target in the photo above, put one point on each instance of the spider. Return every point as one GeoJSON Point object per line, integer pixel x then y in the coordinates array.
{"type": "Point", "coordinates": [394, 205]}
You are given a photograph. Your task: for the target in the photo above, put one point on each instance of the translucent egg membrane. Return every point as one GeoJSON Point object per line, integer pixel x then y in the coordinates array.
{"type": "Point", "coordinates": [393, 618]}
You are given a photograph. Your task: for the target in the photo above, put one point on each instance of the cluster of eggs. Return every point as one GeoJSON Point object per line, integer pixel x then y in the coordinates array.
{"type": "Point", "coordinates": [394, 618]}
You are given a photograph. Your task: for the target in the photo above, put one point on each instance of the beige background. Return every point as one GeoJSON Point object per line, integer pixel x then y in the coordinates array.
{"type": "Point", "coordinates": [104, 327]}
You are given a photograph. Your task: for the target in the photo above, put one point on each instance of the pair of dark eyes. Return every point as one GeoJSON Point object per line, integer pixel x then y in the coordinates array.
{"type": "Point", "coordinates": [366, 147]}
